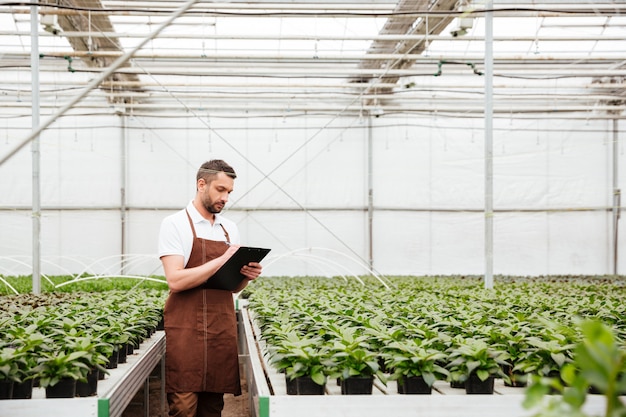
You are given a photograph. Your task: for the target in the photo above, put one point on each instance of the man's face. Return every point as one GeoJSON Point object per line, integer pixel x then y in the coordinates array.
{"type": "Point", "coordinates": [215, 193]}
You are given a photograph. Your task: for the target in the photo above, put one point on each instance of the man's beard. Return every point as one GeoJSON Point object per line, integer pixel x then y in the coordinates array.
{"type": "Point", "coordinates": [211, 206]}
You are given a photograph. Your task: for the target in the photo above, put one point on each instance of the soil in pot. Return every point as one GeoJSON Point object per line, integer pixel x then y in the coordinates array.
{"type": "Point", "coordinates": [413, 385]}
{"type": "Point", "coordinates": [6, 389]}
{"type": "Point", "coordinates": [474, 385]}
{"type": "Point", "coordinates": [23, 390]}
{"type": "Point", "coordinates": [357, 385]}
{"type": "Point", "coordinates": [65, 388]}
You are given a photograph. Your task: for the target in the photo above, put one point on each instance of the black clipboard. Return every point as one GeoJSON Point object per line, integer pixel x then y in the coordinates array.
{"type": "Point", "coordinates": [228, 277]}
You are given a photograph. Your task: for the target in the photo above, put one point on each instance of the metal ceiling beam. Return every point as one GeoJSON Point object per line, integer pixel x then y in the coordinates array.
{"type": "Point", "coordinates": [407, 26]}
{"type": "Point", "coordinates": [88, 24]}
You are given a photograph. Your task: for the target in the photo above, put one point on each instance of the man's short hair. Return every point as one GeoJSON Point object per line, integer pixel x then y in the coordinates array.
{"type": "Point", "coordinates": [211, 168]}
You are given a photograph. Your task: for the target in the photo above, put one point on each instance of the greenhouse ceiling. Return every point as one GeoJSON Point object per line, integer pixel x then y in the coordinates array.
{"type": "Point", "coordinates": [291, 58]}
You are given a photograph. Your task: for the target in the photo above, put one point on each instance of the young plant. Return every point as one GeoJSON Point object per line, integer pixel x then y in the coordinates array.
{"type": "Point", "coordinates": [475, 356]}
{"type": "Point", "coordinates": [10, 362]}
{"type": "Point", "coordinates": [55, 366]}
{"type": "Point", "coordinates": [351, 355]}
{"type": "Point", "coordinates": [300, 356]}
{"type": "Point", "coordinates": [410, 358]}
{"type": "Point", "coordinates": [599, 361]}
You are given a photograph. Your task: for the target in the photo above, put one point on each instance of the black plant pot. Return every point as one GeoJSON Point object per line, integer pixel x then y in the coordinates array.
{"type": "Point", "coordinates": [413, 385]}
{"type": "Point", "coordinates": [457, 384]}
{"type": "Point", "coordinates": [122, 353]}
{"type": "Point", "coordinates": [89, 388]}
{"type": "Point", "coordinates": [291, 385]}
{"type": "Point", "coordinates": [474, 385]}
{"type": "Point", "coordinates": [65, 388]}
{"type": "Point", "coordinates": [23, 390]}
{"type": "Point", "coordinates": [516, 379]}
{"type": "Point", "coordinates": [357, 385]}
{"type": "Point", "coordinates": [6, 389]}
{"type": "Point", "coordinates": [382, 366]}
{"type": "Point", "coordinates": [113, 360]}
{"type": "Point", "coordinates": [306, 386]}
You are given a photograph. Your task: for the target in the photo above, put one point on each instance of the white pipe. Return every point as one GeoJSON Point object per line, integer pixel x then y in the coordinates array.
{"type": "Point", "coordinates": [36, 156]}
{"type": "Point", "coordinates": [96, 81]}
{"type": "Point", "coordinates": [370, 192]}
{"type": "Point", "coordinates": [253, 71]}
{"type": "Point", "coordinates": [248, 113]}
{"type": "Point", "coordinates": [489, 146]}
{"type": "Point", "coordinates": [431, 59]}
{"type": "Point", "coordinates": [507, 109]}
{"type": "Point", "coordinates": [540, 85]}
{"type": "Point", "coordinates": [293, 37]}
{"type": "Point", "coordinates": [616, 195]}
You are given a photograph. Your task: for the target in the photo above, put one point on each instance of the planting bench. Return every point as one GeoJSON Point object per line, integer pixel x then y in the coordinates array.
{"type": "Point", "coordinates": [268, 396]}
{"type": "Point", "coordinates": [114, 392]}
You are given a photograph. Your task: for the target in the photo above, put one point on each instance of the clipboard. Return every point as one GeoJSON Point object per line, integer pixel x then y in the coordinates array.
{"type": "Point", "coordinates": [228, 277]}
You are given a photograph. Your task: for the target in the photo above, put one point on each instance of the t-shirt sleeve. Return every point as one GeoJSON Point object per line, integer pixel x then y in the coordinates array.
{"type": "Point", "coordinates": [170, 241]}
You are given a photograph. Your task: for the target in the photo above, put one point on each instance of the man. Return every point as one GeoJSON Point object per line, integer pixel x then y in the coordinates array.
{"type": "Point", "coordinates": [201, 360]}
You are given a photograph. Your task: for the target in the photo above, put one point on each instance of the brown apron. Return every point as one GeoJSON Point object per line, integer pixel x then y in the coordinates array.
{"type": "Point", "coordinates": [201, 332]}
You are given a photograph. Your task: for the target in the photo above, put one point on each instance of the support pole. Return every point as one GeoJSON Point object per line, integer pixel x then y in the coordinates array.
{"type": "Point", "coordinates": [123, 181]}
{"type": "Point", "coordinates": [370, 194]}
{"type": "Point", "coordinates": [488, 145]}
{"type": "Point", "coordinates": [617, 196]}
{"type": "Point", "coordinates": [35, 154]}
{"type": "Point", "coordinates": [96, 81]}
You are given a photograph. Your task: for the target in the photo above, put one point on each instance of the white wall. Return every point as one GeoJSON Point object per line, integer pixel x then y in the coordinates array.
{"type": "Point", "coordinates": [302, 190]}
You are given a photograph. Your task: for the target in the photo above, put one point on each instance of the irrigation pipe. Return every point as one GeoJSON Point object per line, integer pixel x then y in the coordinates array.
{"type": "Point", "coordinates": [96, 81]}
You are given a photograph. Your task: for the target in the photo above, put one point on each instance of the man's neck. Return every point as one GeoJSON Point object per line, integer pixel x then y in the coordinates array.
{"type": "Point", "coordinates": [206, 214]}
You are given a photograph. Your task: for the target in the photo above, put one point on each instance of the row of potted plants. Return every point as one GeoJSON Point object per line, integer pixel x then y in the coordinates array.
{"type": "Point", "coordinates": [448, 329]}
{"type": "Point", "coordinates": [57, 339]}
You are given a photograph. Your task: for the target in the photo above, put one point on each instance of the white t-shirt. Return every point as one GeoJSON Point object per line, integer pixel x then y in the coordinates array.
{"type": "Point", "coordinates": [176, 237]}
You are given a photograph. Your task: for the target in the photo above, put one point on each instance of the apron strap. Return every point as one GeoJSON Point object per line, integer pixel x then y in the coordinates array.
{"type": "Point", "coordinates": [193, 229]}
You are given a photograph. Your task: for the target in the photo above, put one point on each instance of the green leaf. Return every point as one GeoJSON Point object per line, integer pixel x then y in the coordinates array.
{"type": "Point", "coordinates": [482, 374]}
{"type": "Point", "coordinates": [534, 395]}
{"type": "Point", "coordinates": [318, 378]}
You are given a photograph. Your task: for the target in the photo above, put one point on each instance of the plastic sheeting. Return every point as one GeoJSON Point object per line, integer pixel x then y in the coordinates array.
{"type": "Point", "coordinates": [302, 190]}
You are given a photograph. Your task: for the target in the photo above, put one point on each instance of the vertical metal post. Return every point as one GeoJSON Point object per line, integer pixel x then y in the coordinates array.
{"type": "Point", "coordinates": [488, 144]}
{"type": "Point", "coordinates": [123, 164]}
{"type": "Point", "coordinates": [146, 397]}
{"type": "Point", "coordinates": [35, 154]}
{"type": "Point", "coordinates": [617, 197]}
{"type": "Point", "coordinates": [370, 194]}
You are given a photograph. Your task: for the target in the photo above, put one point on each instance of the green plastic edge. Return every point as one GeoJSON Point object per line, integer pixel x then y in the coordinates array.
{"type": "Point", "coordinates": [264, 406]}
{"type": "Point", "coordinates": [103, 407]}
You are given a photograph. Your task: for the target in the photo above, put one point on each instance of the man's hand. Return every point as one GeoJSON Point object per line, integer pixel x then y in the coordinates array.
{"type": "Point", "coordinates": [252, 270]}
